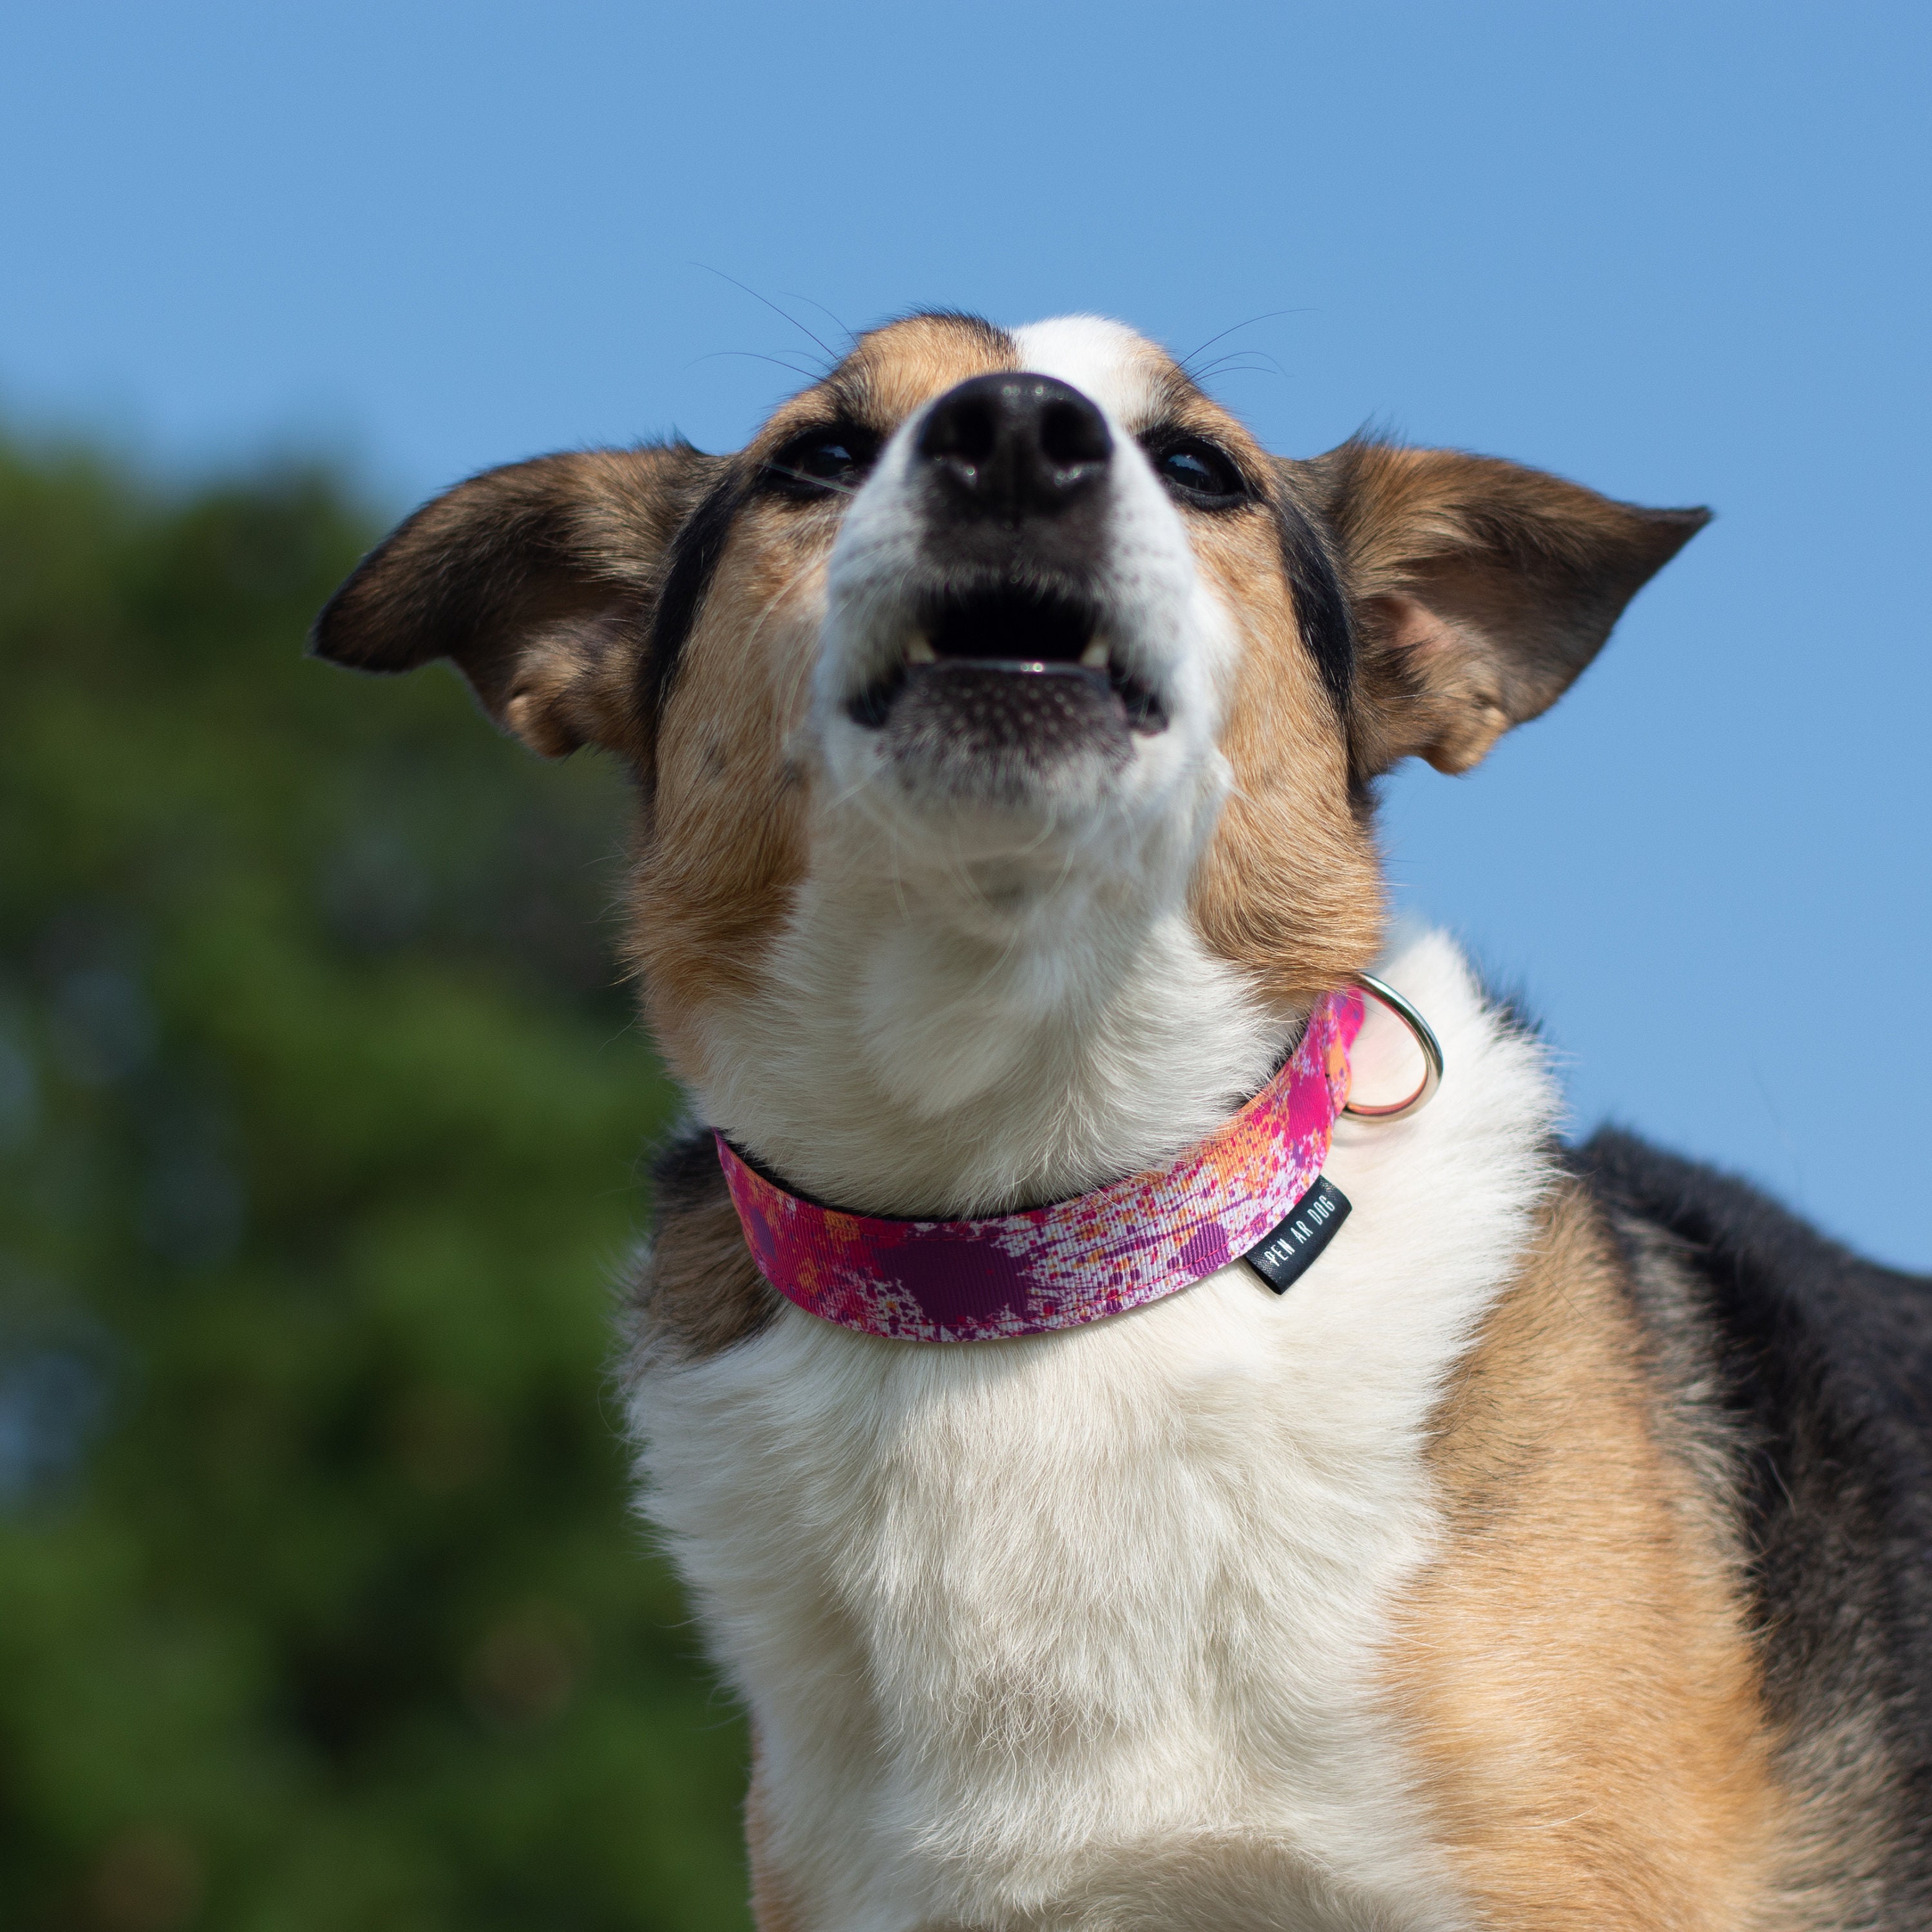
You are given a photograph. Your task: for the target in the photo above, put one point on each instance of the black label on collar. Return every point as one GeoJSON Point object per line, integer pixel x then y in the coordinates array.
{"type": "Point", "coordinates": [1282, 1258]}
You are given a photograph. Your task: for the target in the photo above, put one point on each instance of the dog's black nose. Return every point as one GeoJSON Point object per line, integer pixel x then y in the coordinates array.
{"type": "Point", "coordinates": [1012, 446]}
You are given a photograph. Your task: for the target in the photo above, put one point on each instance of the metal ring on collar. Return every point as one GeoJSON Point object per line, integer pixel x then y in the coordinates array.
{"type": "Point", "coordinates": [1386, 995]}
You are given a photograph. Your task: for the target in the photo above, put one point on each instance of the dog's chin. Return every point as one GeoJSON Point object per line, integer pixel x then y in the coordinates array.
{"type": "Point", "coordinates": [996, 739]}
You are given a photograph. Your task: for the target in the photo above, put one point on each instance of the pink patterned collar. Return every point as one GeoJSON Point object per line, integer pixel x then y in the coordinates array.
{"type": "Point", "coordinates": [1252, 1189]}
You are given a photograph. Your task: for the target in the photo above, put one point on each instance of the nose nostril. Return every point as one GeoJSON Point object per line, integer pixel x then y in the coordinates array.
{"type": "Point", "coordinates": [964, 428]}
{"type": "Point", "coordinates": [1071, 433]}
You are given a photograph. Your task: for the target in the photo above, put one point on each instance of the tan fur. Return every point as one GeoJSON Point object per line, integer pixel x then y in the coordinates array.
{"type": "Point", "coordinates": [723, 848]}
{"type": "Point", "coordinates": [772, 1907]}
{"type": "Point", "coordinates": [1573, 1668]}
{"type": "Point", "coordinates": [1291, 887]}
{"type": "Point", "coordinates": [537, 579]}
{"type": "Point", "coordinates": [896, 370]}
{"type": "Point", "coordinates": [1481, 589]}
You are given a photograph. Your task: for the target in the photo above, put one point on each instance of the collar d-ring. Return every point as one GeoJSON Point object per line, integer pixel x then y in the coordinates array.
{"type": "Point", "coordinates": [1431, 1048]}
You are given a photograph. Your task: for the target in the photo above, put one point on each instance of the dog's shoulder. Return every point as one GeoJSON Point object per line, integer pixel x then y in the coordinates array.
{"type": "Point", "coordinates": [1825, 1355]}
{"type": "Point", "coordinates": [1820, 1363]}
{"type": "Point", "coordinates": [694, 1290]}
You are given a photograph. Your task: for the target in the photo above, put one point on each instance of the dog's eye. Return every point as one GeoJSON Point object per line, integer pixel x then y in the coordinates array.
{"type": "Point", "coordinates": [1197, 473]}
{"type": "Point", "coordinates": [830, 459]}
{"type": "Point", "coordinates": [823, 461]}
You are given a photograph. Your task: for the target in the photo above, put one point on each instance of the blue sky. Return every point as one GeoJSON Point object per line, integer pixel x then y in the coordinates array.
{"type": "Point", "coordinates": [1677, 252]}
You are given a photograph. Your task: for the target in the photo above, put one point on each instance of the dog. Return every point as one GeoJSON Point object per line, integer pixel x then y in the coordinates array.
{"type": "Point", "coordinates": [1542, 1543]}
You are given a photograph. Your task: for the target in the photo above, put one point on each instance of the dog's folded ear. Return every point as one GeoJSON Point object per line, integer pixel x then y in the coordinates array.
{"type": "Point", "coordinates": [539, 580]}
{"type": "Point", "coordinates": [1479, 588]}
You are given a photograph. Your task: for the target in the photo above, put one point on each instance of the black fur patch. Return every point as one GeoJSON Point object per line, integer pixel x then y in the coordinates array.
{"type": "Point", "coordinates": [685, 1171]}
{"type": "Point", "coordinates": [1824, 1365]}
{"type": "Point", "coordinates": [695, 552]}
{"type": "Point", "coordinates": [1321, 605]}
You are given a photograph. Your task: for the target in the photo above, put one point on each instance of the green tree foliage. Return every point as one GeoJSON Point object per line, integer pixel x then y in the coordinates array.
{"type": "Point", "coordinates": [321, 1609]}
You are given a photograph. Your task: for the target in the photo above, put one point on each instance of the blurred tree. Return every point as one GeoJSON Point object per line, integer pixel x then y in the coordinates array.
{"type": "Point", "coordinates": [319, 1605]}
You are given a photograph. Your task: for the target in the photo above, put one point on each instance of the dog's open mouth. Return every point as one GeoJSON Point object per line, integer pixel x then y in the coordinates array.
{"type": "Point", "coordinates": [960, 642]}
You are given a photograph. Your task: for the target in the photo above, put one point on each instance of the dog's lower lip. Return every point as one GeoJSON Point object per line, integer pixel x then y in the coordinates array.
{"type": "Point", "coordinates": [1146, 715]}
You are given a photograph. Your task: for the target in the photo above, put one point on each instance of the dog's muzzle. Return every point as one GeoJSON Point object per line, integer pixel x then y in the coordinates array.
{"type": "Point", "coordinates": [1007, 673]}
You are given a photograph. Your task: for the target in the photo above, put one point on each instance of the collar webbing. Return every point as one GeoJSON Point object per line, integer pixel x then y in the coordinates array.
{"type": "Point", "coordinates": [1120, 1246]}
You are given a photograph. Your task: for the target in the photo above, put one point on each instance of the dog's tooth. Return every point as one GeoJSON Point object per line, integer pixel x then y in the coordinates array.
{"type": "Point", "coordinates": [1094, 657]}
{"type": "Point", "coordinates": [920, 651]}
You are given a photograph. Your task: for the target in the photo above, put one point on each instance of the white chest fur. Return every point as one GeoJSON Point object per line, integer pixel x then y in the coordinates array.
{"type": "Point", "coordinates": [1081, 1630]}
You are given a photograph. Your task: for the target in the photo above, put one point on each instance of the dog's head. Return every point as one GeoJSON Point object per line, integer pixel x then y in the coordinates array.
{"type": "Point", "coordinates": [996, 622]}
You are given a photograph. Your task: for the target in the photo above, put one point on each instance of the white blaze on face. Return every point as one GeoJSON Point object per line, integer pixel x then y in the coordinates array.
{"type": "Point", "coordinates": [1105, 361]}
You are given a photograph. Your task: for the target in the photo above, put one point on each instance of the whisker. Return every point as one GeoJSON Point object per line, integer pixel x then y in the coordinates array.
{"type": "Point", "coordinates": [1255, 364]}
{"type": "Point", "coordinates": [810, 374]}
{"type": "Point", "coordinates": [1182, 365]}
{"type": "Point", "coordinates": [822, 482]}
{"type": "Point", "coordinates": [792, 295]}
{"type": "Point", "coordinates": [831, 360]}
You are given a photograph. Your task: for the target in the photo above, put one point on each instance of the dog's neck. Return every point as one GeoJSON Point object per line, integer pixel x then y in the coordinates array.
{"type": "Point", "coordinates": [986, 1034]}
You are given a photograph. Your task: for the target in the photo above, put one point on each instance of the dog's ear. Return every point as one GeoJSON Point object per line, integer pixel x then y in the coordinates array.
{"type": "Point", "coordinates": [1480, 590]}
{"type": "Point", "coordinates": [539, 581]}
